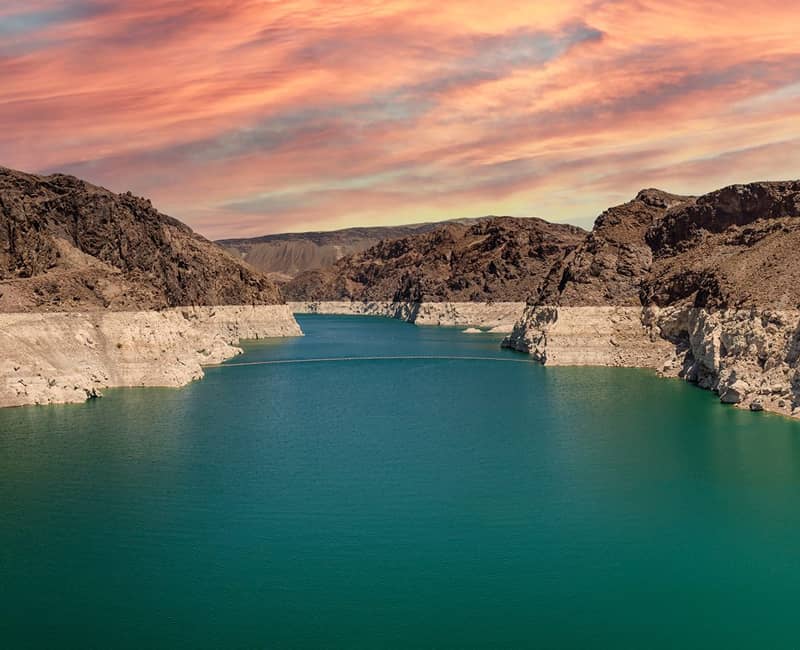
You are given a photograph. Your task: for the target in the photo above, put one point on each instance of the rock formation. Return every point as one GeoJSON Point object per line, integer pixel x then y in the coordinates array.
{"type": "Point", "coordinates": [66, 245]}
{"type": "Point", "coordinates": [701, 288]}
{"type": "Point", "coordinates": [99, 289]}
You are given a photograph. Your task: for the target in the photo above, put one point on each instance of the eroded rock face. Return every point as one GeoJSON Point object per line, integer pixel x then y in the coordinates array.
{"type": "Point", "coordinates": [588, 336]}
{"type": "Point", "coordinates": [66, 245]}
{"type": "Point", "coordinates": [609, 266]}
{"type": "Point", "coordinates": [746, 356]}
{"type": "Point", "coordinates": [99, 289]}
{"type": "Point", "coordinates": [710, 287]}
{"type": "Point", "coordinates": [50, 358]}
{"type": "Point", "coordinates": [499, 259]}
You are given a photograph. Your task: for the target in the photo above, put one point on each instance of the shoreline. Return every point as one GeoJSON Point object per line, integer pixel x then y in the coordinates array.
{"type": "Point", "coordinates": [70, 357]}
{"type": "Point", "coordinates": [750, 358]}
{"type": "Point", "coordinates": [494, 317]}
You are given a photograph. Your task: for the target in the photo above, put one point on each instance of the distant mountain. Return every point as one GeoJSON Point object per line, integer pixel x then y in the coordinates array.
{"type": "Point", "coordinates": [284, 256]}
{"type": "Point", "coordinates": [495, 259]}
{"type": "Point", "coordinates": [67, 245]}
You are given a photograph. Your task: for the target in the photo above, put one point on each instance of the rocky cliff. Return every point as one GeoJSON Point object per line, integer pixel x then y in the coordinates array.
{"type": "Point", "coordinates": [100, 289]}
{"type": "Point", "coordinates": [701, 288]}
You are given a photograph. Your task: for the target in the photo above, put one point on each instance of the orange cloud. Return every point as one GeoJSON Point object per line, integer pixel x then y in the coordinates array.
{"type": "Point", "coordinates": [261, 116]}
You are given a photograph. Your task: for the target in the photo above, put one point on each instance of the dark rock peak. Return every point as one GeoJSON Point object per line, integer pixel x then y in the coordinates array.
{"type": "Point", "coordinates": [732, 206]}
{"type": "Point", "coordinates": [660, 199]}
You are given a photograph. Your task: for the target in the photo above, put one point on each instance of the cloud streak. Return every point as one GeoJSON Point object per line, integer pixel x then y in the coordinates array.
{"type": "Point", "coordinates": [259, 116]}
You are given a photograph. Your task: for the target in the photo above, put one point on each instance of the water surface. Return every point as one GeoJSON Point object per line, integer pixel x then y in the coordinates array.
{"type": "Point", "coordinates": [422, 503]}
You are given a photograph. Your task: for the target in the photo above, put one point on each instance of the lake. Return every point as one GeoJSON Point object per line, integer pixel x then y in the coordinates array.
{"type": "Point", "coordinates": [424, 502]}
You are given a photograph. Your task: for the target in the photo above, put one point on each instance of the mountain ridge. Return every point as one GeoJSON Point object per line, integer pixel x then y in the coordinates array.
{"type": "Point", "coordinates": [285, 255]}
{"type": "Point", "coordinates": [661, 249]}
{"type": "Point", "coordinates": [498, 258]}
{"type": "Point", "coordinates": [68, 245]}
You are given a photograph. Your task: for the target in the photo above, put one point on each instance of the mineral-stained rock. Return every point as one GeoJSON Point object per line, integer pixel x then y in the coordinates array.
{"type": "Point", "coordinates": [497, 317]}
{"type": "Point", "coordinates": [69, 357]}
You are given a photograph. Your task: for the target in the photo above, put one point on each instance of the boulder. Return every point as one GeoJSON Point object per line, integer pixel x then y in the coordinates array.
{"type": "Point", "coordinates": [734, 393]}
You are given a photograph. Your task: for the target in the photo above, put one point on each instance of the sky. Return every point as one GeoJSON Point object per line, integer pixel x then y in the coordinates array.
{"type": "Point", "coordinates": [251, 117]}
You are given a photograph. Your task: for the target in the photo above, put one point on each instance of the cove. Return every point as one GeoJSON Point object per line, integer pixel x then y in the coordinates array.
{"type": "Point", "coordinates": [396, 502]}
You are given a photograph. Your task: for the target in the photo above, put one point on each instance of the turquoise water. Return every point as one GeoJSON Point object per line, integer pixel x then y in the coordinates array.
{"type": "Point", "coordinates": [399, 504]}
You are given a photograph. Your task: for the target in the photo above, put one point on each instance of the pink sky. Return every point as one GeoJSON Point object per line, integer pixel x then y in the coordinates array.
{"type": "Point", "coordinates": [249, 117]}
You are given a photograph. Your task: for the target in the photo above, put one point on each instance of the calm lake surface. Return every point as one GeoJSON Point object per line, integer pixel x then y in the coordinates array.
{"type": "Point", "coordinates": [421, 503]}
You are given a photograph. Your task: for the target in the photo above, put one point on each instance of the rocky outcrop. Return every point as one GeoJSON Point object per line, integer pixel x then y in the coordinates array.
{"type": "Point", "coordinates": [100, 289]}
{"type": "Point", "coordinates": [706, 289]}
{"type": "Point", "coordinates": [748, 356]}
{"type": "Point", "coordinates": [67, 245]}
{"type": "Point", "coordinates": [610, 264]}
{"type": "Point", "coordinates": [498, 317]}
{"type": "Point", "coordinates": [730, 249]}
{"type": "Point", "coordinates": [500, 259]}
{"type": "Point", "coordinates": [589, 336]}
{"type": "Point", "coordinates": [70, 357]}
